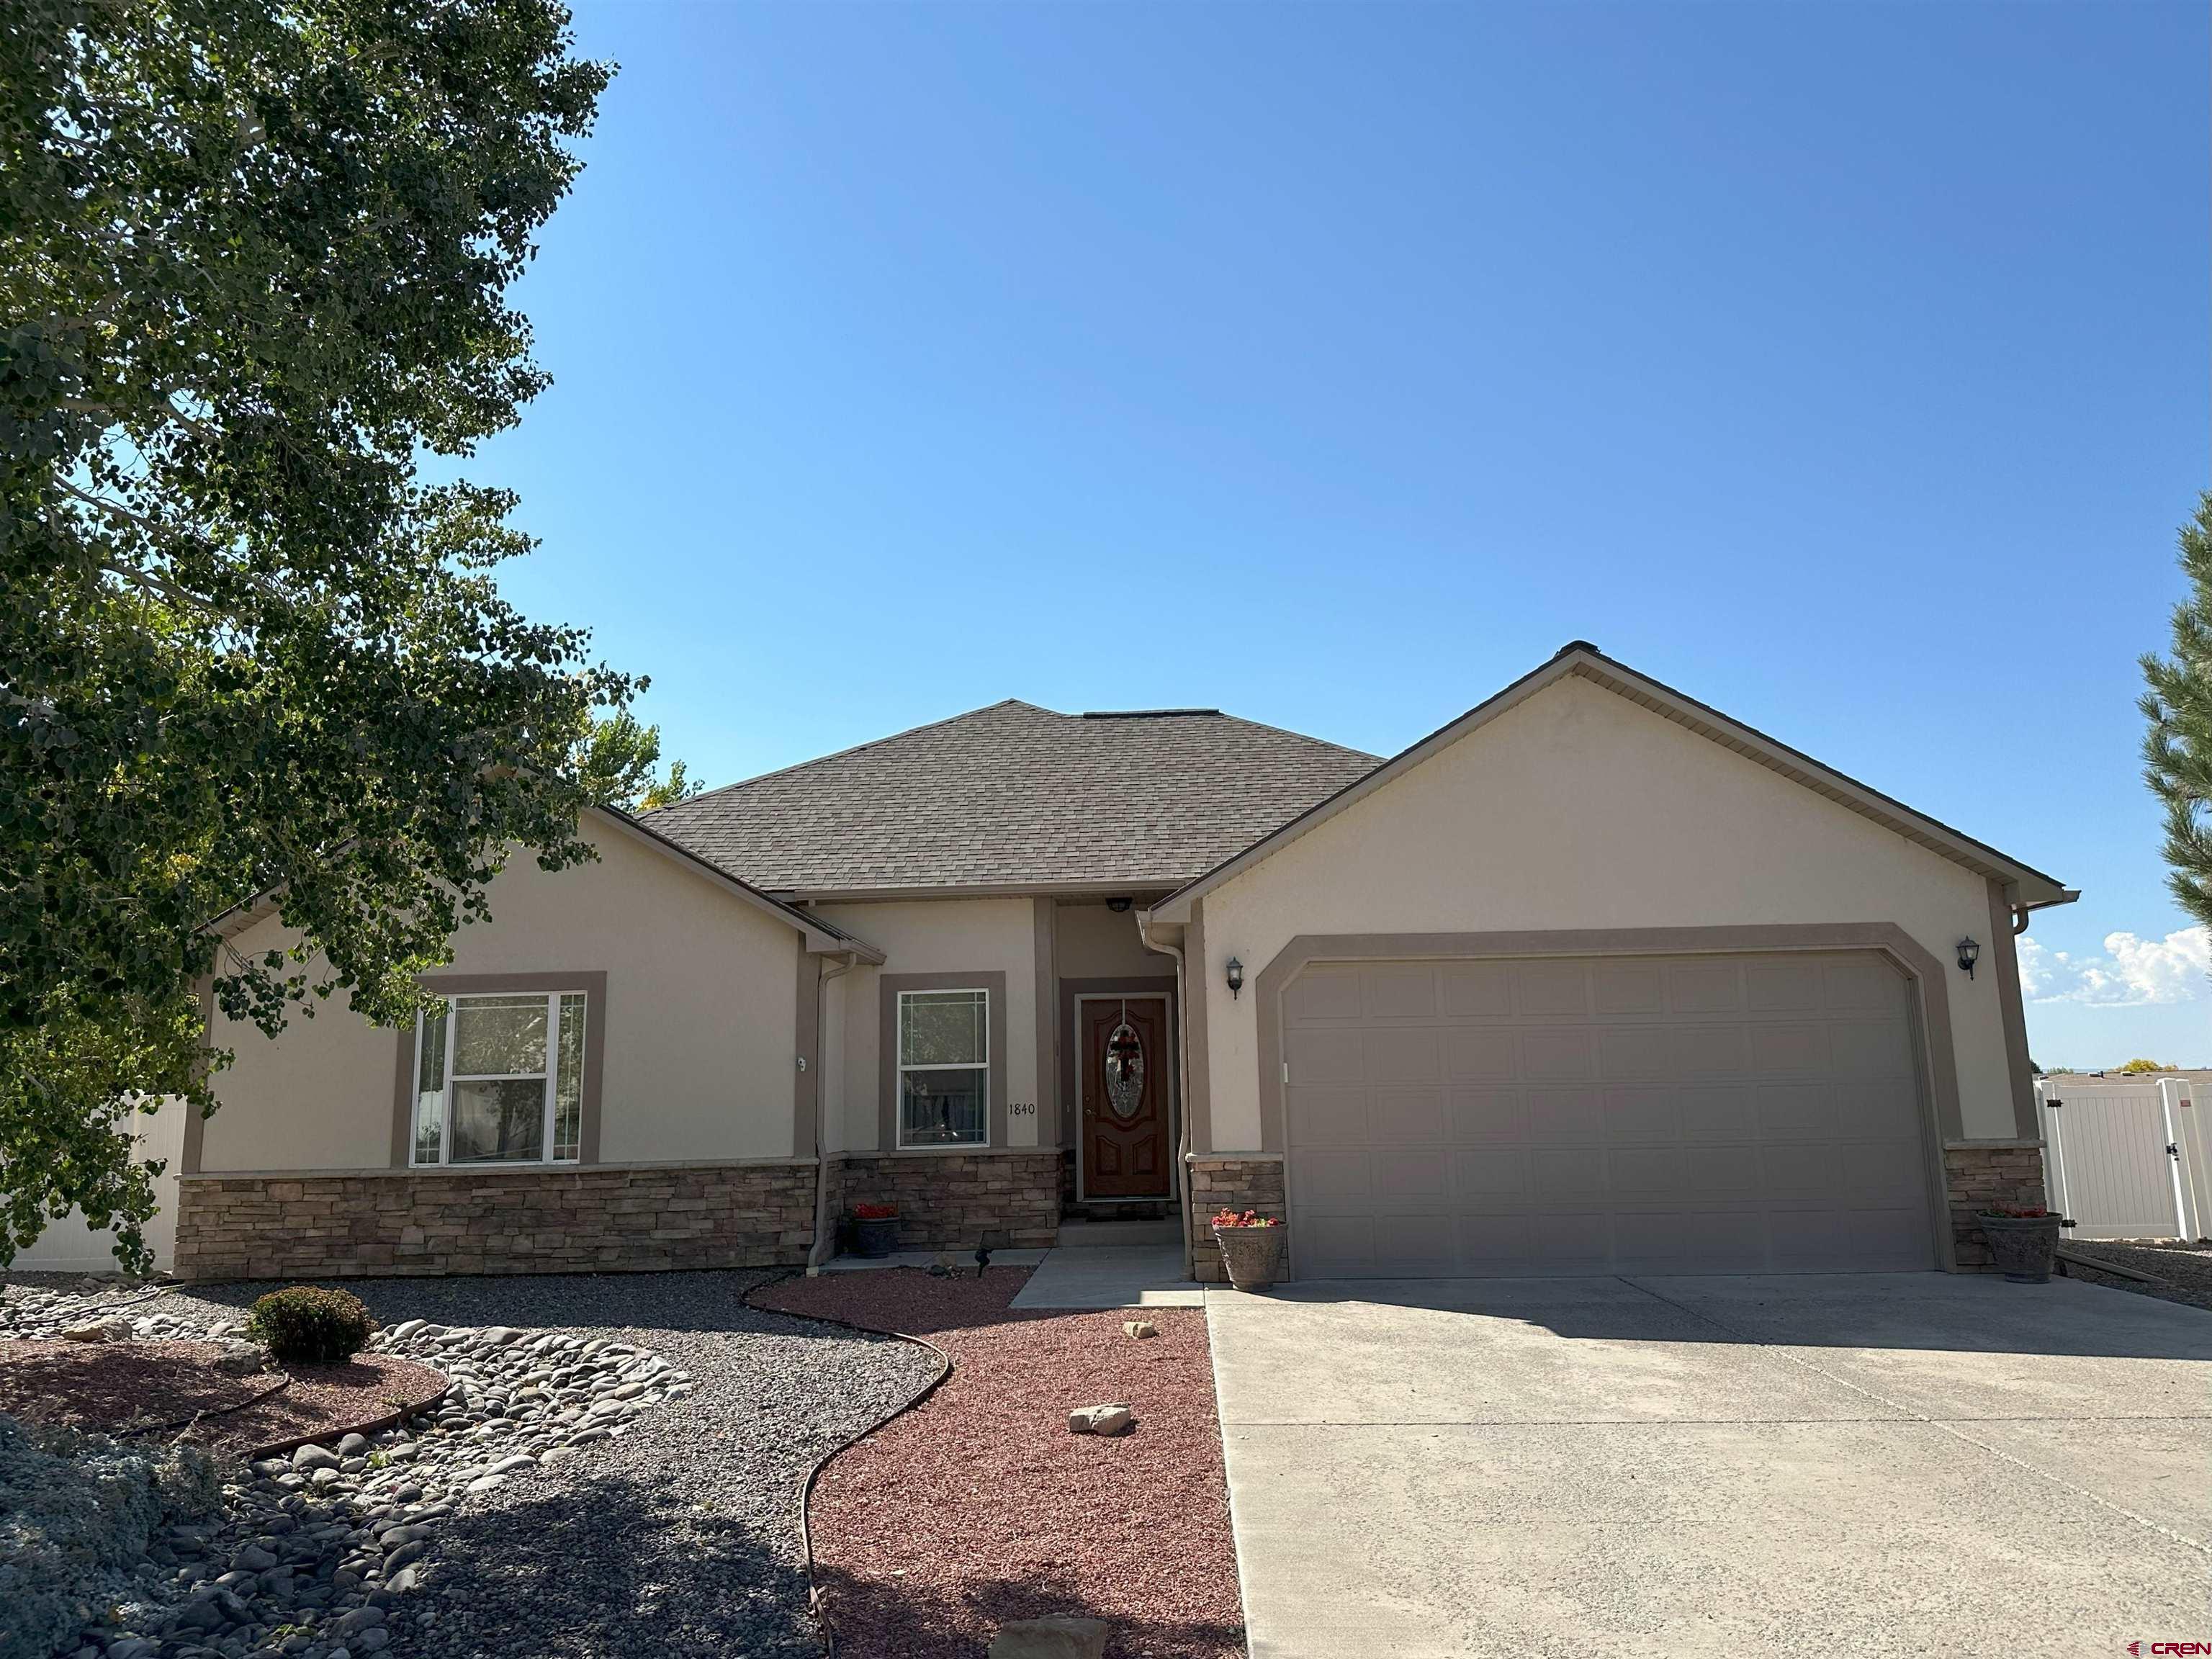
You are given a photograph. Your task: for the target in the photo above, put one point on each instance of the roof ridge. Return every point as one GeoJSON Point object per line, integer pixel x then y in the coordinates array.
{"type": "Point", "coordinates": [852, 749]}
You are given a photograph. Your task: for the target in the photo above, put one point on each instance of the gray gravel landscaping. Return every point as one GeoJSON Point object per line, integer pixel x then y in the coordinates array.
{"type": "Point", "coordinates": [639, 1496]}
{"type": "Point", "coordinates": [2187, 1269]}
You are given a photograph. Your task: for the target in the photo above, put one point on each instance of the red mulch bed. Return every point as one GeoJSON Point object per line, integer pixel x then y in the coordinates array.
{"type": "Point", "coordinates": [979, 1506]}
{"type": "Point", "coordinates": [126, 1387]}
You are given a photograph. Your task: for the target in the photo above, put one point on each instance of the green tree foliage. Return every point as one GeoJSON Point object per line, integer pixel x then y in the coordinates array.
{"type": "Point", "coordinates": [617, 764]}
{"type": "Point", "coordinates": [2177, 748]}
{"type": "Point", "coordinates": [254, 260]}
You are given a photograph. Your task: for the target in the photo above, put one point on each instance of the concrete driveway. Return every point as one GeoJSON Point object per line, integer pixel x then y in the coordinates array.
{"type": "Point", "coordinates": [1912, 1464]}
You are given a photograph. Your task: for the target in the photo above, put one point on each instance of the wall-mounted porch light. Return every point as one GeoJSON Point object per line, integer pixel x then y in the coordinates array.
{"type": "Point", "coordinates": [1235, 977]}
{"type": "Point", "coordinates": [1118, 906]}
{"type": "Point", "coordinates": [1969, 953]}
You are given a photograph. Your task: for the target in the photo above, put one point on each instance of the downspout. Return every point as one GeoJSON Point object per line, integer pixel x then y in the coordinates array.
{"type": "Point", "coordinates": [823, 1236]}
{"type": "Point", "coordinates": [1183, 1081]}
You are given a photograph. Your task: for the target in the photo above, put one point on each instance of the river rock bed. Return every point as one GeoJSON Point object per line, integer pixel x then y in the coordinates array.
{"type": "Point", "coordinates": [674, 1533]}
{"type": "Point", "coordinates": [312, 1550]}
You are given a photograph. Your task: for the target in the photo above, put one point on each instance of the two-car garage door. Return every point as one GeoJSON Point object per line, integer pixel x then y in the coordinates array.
{"type": "Point", "coordinates": [1754, 1114]}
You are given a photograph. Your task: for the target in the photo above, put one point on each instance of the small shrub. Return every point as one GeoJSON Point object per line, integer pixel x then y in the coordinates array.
{"type": "Point", "coordinates": [875, 1212]}
{"type": "Point", "coordinates": [307, 1325]}
{"type": "Point", "coordinates": [1248, 1219]}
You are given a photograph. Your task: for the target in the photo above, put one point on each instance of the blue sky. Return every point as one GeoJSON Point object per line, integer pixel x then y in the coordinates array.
{"type": "Point", "coordinates": [1845, 366]}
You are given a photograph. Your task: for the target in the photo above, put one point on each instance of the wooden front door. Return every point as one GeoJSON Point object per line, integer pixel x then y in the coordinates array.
{"type": "Point", "coordinates": [1128, 1073]}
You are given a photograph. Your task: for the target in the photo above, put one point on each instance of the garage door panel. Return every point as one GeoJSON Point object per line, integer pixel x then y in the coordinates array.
{"type": "Point", "coordinates": [1719, 1111]}
{"type": "Point", "coordinates": [1549, 989]}
{"type": "Point", "coordinates": [1474, 990]}
{"type": "Point", "coordinates": [1862, 983]}
{"type": "Point", "coordinates": [1629, 987]}
{"type": "Point", "coordinates": [1495, 1244]}
{"type": "Point", "coordinates": [1416, 1246]}
{"type": "Point", "coordinates": [1868, 1048]}
{"type": "Point", "coordinates": [1399, 991]}
{"type": "Point", "coordinates": [1753, 1114]}
{"type": "Point", "coordinates": [1784, 985]}
{"type": "Point", "coordinates": [1566, 1172]}
{"type": "Point", "coordinates": [1687, 1241]}
{"type": "Point", "coordinates": [1558, 1115]}
{"type": "Point", "coordinates": [1402, 1056]}
{"type": "Point", "coordinates": [1475, 1054]}
{"type": "Point", "coordinates": [1705, 987]}
{"type": "Point", "coordinates": [1552, 1056]}
{"type": "Point", "coordinates": [1485, 1116]}
{"type": "Point", "coordinates": [1651, 1111]}
{"type": "Point", "coordinates": [1322, 992]}
{"type": "Point", "coordinates": [1326, 1053]}
{"type": "Point", "coordinates": [1646, 1172]}
{"type": "Point", "coordinates": [1407, 1117]}
{"type": "Point", "coordinates": [1411, 1178]}
{"type": "Point", "coordinates": [1708, 1051]}
{"type": "Point", "coordinates": [1490, 1174]}
{"type": "Point", "coordinates": [1572, 1241]}
{"type": "Point", "coordinates": [1799, 1049]}
{"type": "Point", "coordinates": [1730, 1171]}
{"type": "Point", "coordinates": [1326, 1117]}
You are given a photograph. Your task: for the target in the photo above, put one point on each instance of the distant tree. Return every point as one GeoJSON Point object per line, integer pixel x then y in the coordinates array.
{"type": "Point", "coordinates": [2140, 1068]}
{"type": "Point", "coordinates": [2178, 748]}
{"type": "Point", "coordinates": [253, 261]}
{"type": "Point", "coordinates": [617, 764]}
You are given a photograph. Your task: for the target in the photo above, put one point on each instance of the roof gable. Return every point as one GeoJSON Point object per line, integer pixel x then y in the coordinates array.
{"type": "Point", "coordinates": [1015, 798]}
{"type": "Point", "coordinates": [1584, 661]}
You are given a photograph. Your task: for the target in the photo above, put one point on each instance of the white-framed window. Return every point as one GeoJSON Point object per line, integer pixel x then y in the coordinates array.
{"type": "Point", "coordinates": [499, 1078]}
{"type": "Point", "coordinates": [944, 1068]}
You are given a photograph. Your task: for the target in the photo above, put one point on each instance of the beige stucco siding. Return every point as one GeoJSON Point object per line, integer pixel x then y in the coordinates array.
{"type": "Point", "coordinates": [938, 936]}
{"type": "Point", "coordinates": [1094, 943]}
{"type": "Point", "coordinates": [1581, 809]}
{"type": "Point", "coordinates": [699, 1021]}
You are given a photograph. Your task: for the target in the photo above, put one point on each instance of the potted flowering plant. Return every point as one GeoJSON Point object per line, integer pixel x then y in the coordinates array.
{"type": "Point", "coordinates": [2023, 1243]}
{"type": "Point", "coordinates": [875, 1228]}
{"type": "Point", "coordinates": [1251, 1246]}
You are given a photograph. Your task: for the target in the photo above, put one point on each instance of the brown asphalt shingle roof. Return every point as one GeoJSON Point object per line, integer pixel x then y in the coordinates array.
{"type": "Point", "coordinates": [1015, 795]}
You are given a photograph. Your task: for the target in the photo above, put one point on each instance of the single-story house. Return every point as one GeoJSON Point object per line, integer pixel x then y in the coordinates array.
{"type": "Point", "coordinates": [1594, 979]}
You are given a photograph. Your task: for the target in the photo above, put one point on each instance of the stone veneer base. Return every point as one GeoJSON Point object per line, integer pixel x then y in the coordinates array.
{"type": "Point", "coordinates": [639, 1219]}
{"type": "Point", "coordinates": [949, 1201]}
{"type": "Point", "coordinates": [2008, 1173]}
{"type": "Point", "coordinates": [1228, 1183]}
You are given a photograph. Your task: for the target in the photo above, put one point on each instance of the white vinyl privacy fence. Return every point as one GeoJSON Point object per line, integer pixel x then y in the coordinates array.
{"type": "Point", "coordinates": [2126, 1158]}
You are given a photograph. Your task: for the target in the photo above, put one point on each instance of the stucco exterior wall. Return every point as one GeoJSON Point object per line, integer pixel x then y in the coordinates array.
{"type": "Point", "coordinates": [1579, 809]}
{"type": "Point", "coordinates": [1094, 943]}
{"type": "Point", "coordinates": [938, 936]}
{"type": "Point", "coordinates": [701, 1024]}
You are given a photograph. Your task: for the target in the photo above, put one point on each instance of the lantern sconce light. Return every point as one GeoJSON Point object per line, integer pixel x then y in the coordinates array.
{"type": "Point", "coordinates": [1236, 978]}
{"type": "Point", "coordinates": [1969, 953]}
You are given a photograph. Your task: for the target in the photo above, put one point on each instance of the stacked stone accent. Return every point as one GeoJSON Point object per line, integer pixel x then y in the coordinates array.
{"type": "Point", "coordinates": [949, 1201]}
{"type": "Point", "coordinates": [597, 1220]}
{"type": "Point", "coordinates": [2009, 1174]}
{"type": "Point", "coordinates": [1228, 1183]}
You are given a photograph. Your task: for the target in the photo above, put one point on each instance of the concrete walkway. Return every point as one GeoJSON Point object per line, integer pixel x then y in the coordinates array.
{"type": "Point", "coordinates": [1904, 1464]}
{"type": "Point", "coordinates": [1110, 1276]}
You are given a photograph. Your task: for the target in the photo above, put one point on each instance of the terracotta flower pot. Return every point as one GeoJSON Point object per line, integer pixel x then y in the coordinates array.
{"type": "Point", "coordinates": [875, 1234]}
{"type": "Point", "coordinates": [2024, 1246]}
{"type": "Point", "coordinates": [1254, 1256]}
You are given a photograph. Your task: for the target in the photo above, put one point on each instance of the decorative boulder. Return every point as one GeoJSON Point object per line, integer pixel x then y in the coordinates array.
{"type": "Point", "coordinates": [1139, 1328]}
{"type": "Point", "coordinates": [1101, 1420]}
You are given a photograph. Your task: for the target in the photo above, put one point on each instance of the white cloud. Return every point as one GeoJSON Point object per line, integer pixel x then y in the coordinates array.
{"type": "Point", "coordinates": [2133, 971]}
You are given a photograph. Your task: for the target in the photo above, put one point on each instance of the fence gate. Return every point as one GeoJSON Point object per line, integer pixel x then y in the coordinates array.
{"type": "Point", "coordinates": [2122, 1159]}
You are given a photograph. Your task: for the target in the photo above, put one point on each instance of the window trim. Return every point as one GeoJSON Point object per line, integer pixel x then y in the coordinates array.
{"type": "Point", "coordinates": [589, 983]}
{"type": "Point", "coordinates": [901, 1067]}
{"type": "Point", "coordinates": [887, 988]}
